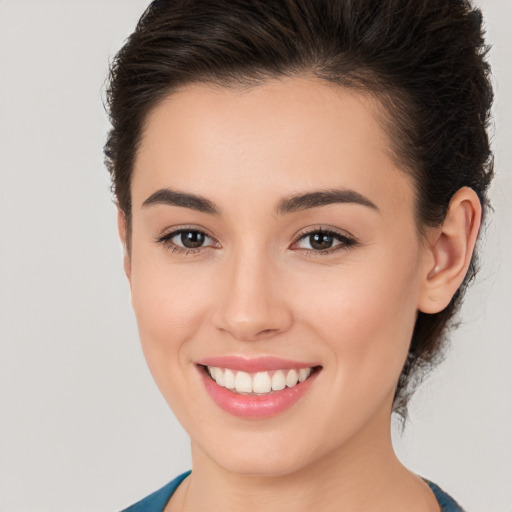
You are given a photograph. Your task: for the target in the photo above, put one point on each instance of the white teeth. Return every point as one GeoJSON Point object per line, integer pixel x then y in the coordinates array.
{"type": "Point", "coordinates": [243, 383]}
{"type": "Point", "coordinates": [292, 378]}
{"type": "Point", "coordinates": [260, 383]}
{"type": "Point", "coordinates": [229, 379]}
{"type": "Point", "coordinates": [218, 375]}
{"type": "Point", "coordinates": [278, 381]}
{"type": "Point", "coordinates": [304, 373]}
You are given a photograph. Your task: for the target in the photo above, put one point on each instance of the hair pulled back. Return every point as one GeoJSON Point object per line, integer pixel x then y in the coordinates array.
{"type": "Point", "coordinates": [424, 60]}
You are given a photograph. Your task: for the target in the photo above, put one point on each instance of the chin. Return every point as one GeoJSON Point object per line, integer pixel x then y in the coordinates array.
{"type": "Point", "coordinates": [260, 456]}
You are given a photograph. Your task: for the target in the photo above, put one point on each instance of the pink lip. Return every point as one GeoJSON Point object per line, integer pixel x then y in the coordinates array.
{"type": "Point", "coordinates": [255, 406]}
{"type": "Point", "coordinates": [254, 364]}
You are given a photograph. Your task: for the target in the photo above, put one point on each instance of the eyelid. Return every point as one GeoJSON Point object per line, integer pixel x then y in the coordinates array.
{"type": "Point", "coordinates": [345, 238]}
{"type": "Point", "coordinates": [166, 237]}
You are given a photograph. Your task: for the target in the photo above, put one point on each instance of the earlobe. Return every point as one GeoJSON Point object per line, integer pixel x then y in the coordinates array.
{"type": "Point", "coordinates": [122, 230]}
{"type": "Point", "coordinates": [450, 249]}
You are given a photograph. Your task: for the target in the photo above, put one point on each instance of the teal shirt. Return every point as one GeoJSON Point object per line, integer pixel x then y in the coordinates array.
{"type": "Point", "coordinates": [156, 502]}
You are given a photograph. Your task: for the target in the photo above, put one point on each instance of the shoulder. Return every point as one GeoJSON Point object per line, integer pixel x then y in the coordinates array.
{"type": "Point", "coordinates": [156, 501]}
{"type": "Point", "coordinates": [447, 503]}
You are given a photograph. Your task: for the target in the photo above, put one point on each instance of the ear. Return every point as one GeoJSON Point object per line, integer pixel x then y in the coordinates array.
{"type": "Point", "coordinates": [449, 251]}
{"type": "Point", "coordinates": [122, 229]}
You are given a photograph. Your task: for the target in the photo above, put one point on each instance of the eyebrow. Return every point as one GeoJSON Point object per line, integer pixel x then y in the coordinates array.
{"type": "Point", "coordinates": [175, 198]}
{"type": "Point", "coordinates": [323, 198]}
{"type": "Point", "coordinates": [290, 204]}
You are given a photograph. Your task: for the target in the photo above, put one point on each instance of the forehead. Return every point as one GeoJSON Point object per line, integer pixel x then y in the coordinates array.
{"type": "Point", "coordinates": [282, 135]}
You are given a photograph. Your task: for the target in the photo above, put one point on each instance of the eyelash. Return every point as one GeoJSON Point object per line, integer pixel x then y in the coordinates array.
{"type": "Point", "coordinates": [345, 241]}
{"type": "Point", "coordinates": [165, 240]}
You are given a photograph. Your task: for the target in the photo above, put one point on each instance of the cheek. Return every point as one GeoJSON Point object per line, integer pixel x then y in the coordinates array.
{"type": "Point", "coordinates": [161, 309]}
{"type": "Point", "coordinates": [170, 306]}
{"type": "Point", "coordinates": [366, 315]}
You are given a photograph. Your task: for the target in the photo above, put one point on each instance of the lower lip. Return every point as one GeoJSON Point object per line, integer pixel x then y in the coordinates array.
{"type": "Point", "coordinates": [255, 406]}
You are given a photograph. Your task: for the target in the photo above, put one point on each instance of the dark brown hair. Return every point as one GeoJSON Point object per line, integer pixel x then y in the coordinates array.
{"type": "Point", "coordinates": [424, 60]}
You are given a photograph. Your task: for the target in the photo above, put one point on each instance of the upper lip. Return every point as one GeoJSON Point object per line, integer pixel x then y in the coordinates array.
{"type": "Point", "coordinates": [254, 364]}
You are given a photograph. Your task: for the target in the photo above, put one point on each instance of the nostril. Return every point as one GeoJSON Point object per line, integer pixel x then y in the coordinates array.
{"type": "Point", "coordinates": [267, 332]}
{"type": "Point", "coordinates": [249, 331]}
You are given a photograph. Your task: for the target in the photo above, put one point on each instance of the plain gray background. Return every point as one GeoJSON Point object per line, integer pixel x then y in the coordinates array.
{"type": "Point", "coordinates": [82, 426]}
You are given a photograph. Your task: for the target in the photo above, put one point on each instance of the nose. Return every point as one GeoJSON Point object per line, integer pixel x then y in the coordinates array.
{"type": "Point", "coordinates": [252, 304]}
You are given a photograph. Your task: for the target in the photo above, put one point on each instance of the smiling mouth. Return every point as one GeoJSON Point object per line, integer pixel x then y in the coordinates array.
{"type": "Point", "coordinates": [259, 383]}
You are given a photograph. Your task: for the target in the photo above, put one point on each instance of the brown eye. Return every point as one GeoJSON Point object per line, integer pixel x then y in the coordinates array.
{"type": "Point", "coordinates": [187, 239]}
{"type": "Point", "coordinates": [192, 239]}
{"type": "Point", "coordinates": [321, 241]}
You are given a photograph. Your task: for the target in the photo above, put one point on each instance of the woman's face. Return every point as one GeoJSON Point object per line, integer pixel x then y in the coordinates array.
{"type": "Point", "coordinates": [272, 233]}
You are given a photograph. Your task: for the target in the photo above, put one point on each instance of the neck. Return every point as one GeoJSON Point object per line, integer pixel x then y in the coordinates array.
{"type": "Point", "coordinates": [362, 475]}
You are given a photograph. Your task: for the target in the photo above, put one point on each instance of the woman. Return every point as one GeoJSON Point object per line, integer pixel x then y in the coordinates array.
{"type": "Point", "coordinates": [300, 189]}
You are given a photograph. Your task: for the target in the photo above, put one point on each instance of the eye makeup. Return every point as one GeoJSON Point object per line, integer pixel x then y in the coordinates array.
{"type": "Point", "coordinates": [315, 241]}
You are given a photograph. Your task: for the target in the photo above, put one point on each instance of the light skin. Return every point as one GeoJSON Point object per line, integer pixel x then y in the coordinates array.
{"type": "Point", "coordinates": [260, 286]}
